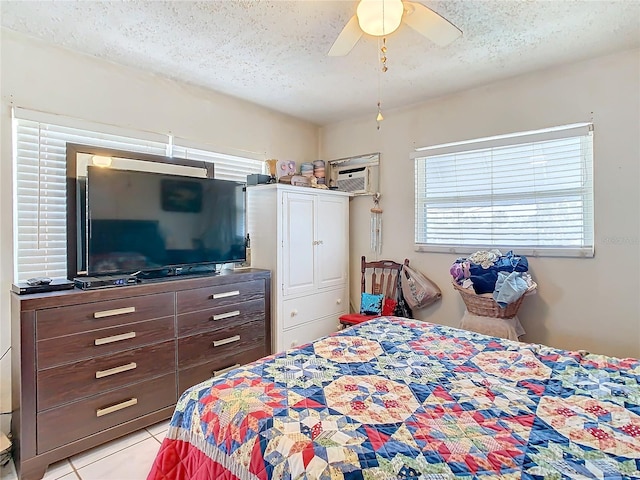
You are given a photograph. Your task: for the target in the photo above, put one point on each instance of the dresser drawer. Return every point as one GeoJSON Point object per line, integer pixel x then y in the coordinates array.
{"type": "Point", "coordinates": [67, 383]}
{"type": "Point", "coordinates": [219, 296]}
{"type": "Point", "coordinates": [71, 348]}
{"type": "Point", "coordinates": [220, 317]}
{"type": "Point", "coordinates": [56, 322]}
{"type": "Point", "coordinates": [218, 366]}
{"type": "Point", "coordinates": [301, 310]}
{"type": "Point", "coordinates": [307, 333]}
{"type": "Point", "coordinates": [208, 346]}
{"type": "Point", "coordinates": [76, 420]}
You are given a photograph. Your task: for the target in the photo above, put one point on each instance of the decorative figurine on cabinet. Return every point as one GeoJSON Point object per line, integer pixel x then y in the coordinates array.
{"type": "Point", "coordinates": [285, 167]}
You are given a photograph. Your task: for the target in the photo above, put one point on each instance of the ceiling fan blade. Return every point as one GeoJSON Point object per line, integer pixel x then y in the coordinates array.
{"type": "Point", "coordinates": [347, 39]}
{"type": "Point", "coordinates": [429, 24]}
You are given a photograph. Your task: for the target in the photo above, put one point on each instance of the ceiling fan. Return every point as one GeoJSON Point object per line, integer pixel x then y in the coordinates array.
{"type": "Point", "coordinates": [382, 17]}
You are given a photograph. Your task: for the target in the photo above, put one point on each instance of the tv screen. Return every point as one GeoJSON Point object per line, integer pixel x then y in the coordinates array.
{"type": "Point", "coordinates": [158, 224]}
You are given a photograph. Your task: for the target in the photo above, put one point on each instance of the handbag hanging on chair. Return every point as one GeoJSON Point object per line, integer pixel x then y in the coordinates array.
{"type": "Point", "coordinates": [418, 290]}
{"type": "Point", "coordinates": [402, 308]}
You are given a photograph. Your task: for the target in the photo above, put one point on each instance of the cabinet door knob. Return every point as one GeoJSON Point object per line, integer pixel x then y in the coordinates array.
{"type": "Point", "coordinates": [294, 313]}
{"type": "Point", "coordinates": [339, 301]}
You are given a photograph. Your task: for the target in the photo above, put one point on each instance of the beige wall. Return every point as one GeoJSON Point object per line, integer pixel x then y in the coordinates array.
{"type": "Point", "coordinates": [39, 77]}
{"type": "Point", "coordinates": [588, 304]}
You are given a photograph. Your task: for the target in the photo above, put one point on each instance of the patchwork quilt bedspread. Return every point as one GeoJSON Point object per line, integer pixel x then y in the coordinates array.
{"type": "Point", "coordinates": [400, 399]}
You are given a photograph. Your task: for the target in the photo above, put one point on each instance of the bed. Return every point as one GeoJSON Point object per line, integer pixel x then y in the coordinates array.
{"type": "Point", "coordinates": [395, 398]}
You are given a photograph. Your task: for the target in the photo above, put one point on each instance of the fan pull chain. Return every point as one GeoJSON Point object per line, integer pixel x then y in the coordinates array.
{"type": "Point", "coordinates": [383, 55]}
{"type": "Point", "coordinates": [383, 69]}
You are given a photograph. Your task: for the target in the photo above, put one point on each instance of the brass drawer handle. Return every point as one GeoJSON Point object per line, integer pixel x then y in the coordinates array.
{"type": "Point", "coordinates": [224, 341]}
{"type": "Point", "coordinates": [221, 316]}
{"type": "Point", "coordinates": [232, 293]}
{"type": "Point", "coordinates": [217, 373]}
{"type": "Point", "coordinates": [114, 370]}
{"type": "Point", "coordinates": [115, 311]}
{"type": "Point", "coordinates": [114, 338]}
{"type": "Point", "coordinates": [118, 406]}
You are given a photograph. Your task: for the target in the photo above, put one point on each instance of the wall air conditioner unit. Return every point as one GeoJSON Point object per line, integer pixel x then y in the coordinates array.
{"type": "Point", "coordinates": [353, 178]}
{"type": "Point", "coordinates": [356, 175]}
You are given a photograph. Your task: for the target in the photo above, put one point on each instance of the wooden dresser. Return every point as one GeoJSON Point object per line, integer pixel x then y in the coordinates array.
{"type": "Point", "coordinates": [90, 366]}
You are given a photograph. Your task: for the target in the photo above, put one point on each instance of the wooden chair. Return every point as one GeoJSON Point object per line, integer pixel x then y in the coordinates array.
{"type": "Point", "coordinates": [382, 278]}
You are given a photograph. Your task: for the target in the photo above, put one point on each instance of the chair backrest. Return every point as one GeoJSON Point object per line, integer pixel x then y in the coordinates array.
{"type": "Point", "coordinates": [380, 276]}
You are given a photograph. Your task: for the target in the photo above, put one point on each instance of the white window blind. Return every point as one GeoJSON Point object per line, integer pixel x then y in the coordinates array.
{"type": "Point", "coordinates": [227, 167]}
{"type": "Point", "coordinates": [530, 191]}
{"type": "Point", "coordinates": [40, 191]}
{"type": "Point", "coordinates": [39, 145]}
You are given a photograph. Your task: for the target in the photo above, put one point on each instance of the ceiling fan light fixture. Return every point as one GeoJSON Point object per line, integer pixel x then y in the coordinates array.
{"type": "Point", "coordinates": [379, 17]}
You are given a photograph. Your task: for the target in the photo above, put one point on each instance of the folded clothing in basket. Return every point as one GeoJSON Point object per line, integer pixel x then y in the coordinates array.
{"type": "Point", "coordinates": [505, 276]}
{"type": "Point", "coordinates": [509, 288]}
{"type": "Point", "coordinates": [484, 279]}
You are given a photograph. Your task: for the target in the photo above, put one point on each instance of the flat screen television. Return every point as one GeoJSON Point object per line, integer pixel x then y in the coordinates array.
{"type": "Point", "coordinates": [156, 225]}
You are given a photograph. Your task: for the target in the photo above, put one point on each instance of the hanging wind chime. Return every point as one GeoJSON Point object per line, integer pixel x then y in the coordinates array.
{"type": "Point", "coordinates": [376, 225]}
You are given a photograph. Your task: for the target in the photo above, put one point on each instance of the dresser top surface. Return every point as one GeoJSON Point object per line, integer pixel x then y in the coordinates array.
{"type": "Point", "coordinates": [77, 296]}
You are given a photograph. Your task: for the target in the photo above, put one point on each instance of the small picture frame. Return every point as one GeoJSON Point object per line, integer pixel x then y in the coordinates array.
{"type": "Point", "coordinates": [181, 196]}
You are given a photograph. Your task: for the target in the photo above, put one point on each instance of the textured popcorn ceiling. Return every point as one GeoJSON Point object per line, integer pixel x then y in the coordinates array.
{"type": "Point", "coordinates": [273, 53]}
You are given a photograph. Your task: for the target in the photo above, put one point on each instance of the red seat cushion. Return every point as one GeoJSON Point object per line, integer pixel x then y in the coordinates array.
{"type": "Point", "coordinates": [355, 318]}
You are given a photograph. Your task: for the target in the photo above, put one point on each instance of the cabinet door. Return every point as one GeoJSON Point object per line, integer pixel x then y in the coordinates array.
{"type": "Point", "coordinates": [298, 243]}
{"type": "Point", "coordinates": [332, 241]}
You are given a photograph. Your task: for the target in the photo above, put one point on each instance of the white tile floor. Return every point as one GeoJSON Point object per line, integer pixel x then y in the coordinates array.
{"type": "Point", "coordinates": [127, 458]}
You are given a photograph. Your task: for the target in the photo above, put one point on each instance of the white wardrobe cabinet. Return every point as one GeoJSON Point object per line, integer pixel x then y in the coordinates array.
{"type": "Point", "coordinates": [302, 236]}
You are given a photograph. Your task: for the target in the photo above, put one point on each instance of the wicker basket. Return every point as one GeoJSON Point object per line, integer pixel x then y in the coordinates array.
{"type": "Point", "coordinates": [486, 306]}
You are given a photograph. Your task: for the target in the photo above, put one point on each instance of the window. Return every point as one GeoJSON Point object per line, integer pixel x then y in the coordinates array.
{"type": "Point", "coordinates": [39, 151]}
{"type": "Point", "coordinates": [227, 167]}
{"type": "Point", "coordinates": [530, 191]}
